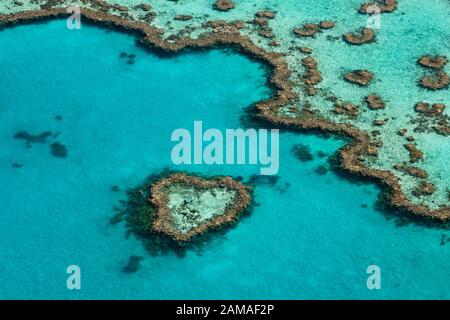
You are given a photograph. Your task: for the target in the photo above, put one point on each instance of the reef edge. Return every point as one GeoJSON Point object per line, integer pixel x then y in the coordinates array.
{"type": "Point", "coordinates": [348, 156]}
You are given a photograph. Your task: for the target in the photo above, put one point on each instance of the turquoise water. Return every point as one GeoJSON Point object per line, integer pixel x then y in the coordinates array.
{"type": "Point", "coordinates": [312, 235]}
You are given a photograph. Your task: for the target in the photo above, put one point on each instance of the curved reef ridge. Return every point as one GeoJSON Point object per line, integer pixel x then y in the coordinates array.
{"type": "Point", "coordinates": [187, 206]}
{"type": "Point", "coordinates": [351, 158]}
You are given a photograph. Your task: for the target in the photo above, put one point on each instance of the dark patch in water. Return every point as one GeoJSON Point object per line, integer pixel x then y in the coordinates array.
{"type": "Point", "coordinates": [134, 264]}
{"type": "Point", "coordinates": [117, 218]}
{"type": "Point", "coordinates": [364, 205]}
{"type": "Point", "coordinates": [444, 239]}
{"type": "Point", "coordinates": [302, 152]}
{"type": "Point", "coordinates": [58, 150]}
{"type": "Point", "coordinates": [257, 180]}
{"type": "Point", "coordinates": [321, 154]}
{"type": "Point", "coordinates": [58, 117]}
{"type": "Point", "coordinates": [115, 188]}
{"type": "Point", "coordinates": [321, 170]}
{"type": "Point", "coordinates": [131, 57]}
{"type": "Point", "coordinates": [32, 138]}
{"type": "Point", "coordinates": [283, 188]}
{"type": "Point", "coordinates": [17, 165]}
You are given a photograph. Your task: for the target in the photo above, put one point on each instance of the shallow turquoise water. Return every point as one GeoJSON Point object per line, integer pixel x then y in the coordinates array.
{"type": "Point", "coordinates": [311, 240]}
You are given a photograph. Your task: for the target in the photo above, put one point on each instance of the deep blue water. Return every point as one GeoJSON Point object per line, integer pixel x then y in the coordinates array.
{"type": "Point", "coordinates": [312, 235]}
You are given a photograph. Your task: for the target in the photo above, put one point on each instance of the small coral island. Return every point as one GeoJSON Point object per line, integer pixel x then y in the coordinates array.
{"type": "Point", "coordinates": [186, 205]}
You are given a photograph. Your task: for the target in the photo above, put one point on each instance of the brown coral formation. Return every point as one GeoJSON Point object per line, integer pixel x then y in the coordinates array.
{"type": "Point", "coordinates": [266, 33]}
{"type": "Point", "coordinates": [266, 14]}
{"type": "Point", "coordinates": [412, 171]}
{"type": "Point", "coordinates": [305, 50]}
{"type": "Point", "coordinates": [379, 122]}
{"type": "Point", "coordinates": [437, 81]}
{"type": "Point", "coordinates": [163, 222]}
{"type": "Point", "coordinates": [443, 130]}
{"type": "Point", "coordinates": [183, 17]}
{"type": "Point", "coordinates": [424, 189]}
{"type": "Point", "coordinates": [431, 118]}
{"type": "Point", "coordinates": [346, 108]}
{"type": "Point", "coordinates": [143, 7]}
{"type": "Point", "coordinates": [348, 158]}
{"type": "Point", "coordinates": [308, 30]}
{"type": "Point", "coordinates": [224, 5]}
{"type": "Point", "coordinates": [425, 108]}
{"type": "Point", "coordinates": [374, 102]}
{"type": "Point", "coordinates": [312, 75]}
{"type": "Point", "coordinates": [365, 35]}
{"type": "Point", "coordinates": [327, 24]}
{"type": "Point", "coordinates": [433, 62]}
{"type": "Point", "coordinates": [414, 153]}
{"type": "Point", "coordinates": [385, 6]}
{"type": "Point", "coordinates": [262, 22]}
{"type": "Point", "coordinates": [359, 77]}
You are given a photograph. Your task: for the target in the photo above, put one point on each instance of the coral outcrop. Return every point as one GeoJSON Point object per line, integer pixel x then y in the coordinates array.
{"type": "Point", "coordinates": [365, 35]}
{"type": "Point", "coordinates": [384, 6]}
{"type": "Point", "coordinates": [186, 206]}
{"type": "Point", "coordinates": [359, 77]}
{"type": "Point", "coordinates": [224, 5]}
{"type": "Point", "coordinates": [375, 102]}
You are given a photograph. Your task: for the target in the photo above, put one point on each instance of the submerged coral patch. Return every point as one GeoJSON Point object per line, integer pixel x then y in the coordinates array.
{"type": "Point", "coordinates": [58, 150]}
{"type": "Point", "coordinates": [434, 62]}
{"type": "Point", "coordinates": [375, 102]}
{"type": "Point", "coordinates": [133, 265]}
{"type": "Point", "coordinates": [359, 77]}
{"type": "Point", "coordinates": [302, 152]}
{"type": "Point", "coordinates": [436, 81]}
{"type": "Point", "coordinates": [283, 110]}
{"type": "Point", "coordinates": [363, 36]}
{"type": "Point", "coordinates": [223, 5]}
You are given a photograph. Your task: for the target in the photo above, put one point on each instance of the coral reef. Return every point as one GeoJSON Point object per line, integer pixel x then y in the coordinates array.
{"type": "Point", "coordinates": [413, 171]}
{"type": "Point", "coordinates": [430, 110]}
{"type": "Point", "coordinates": [433, 62]}
{"type": "Point", "coordinates": [302, 152]}
{"type": "Point", "coordinates": [359, 77]}
{"type": "Point", "coordinates": [327, 24]}
{"type": "Point", "coordinates": [308, 30]}
{"type": "Point", "coordinates": [424, 189]}
{"type": "Point", "coordinates": [187, 205]}
{"type": "Point", "coordinates": [374, 102]}
{"type": "Point", "coordinates": [437, 81]}
{"type": "Point", "coordinates": [346, 108]}
{"type": "Point", "coordinates": [224, 5]}
{"type": "Point", "coordinates": [414, 153]}
{"type": "Point", "coordinates": [364, 36]}
{"type": "Point", "coordinates": [350, 157]}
